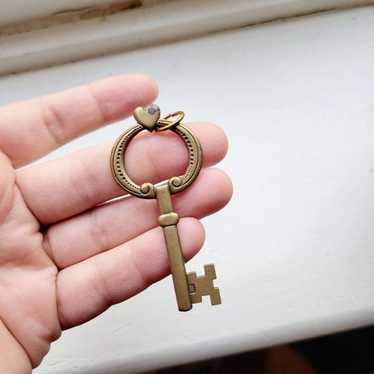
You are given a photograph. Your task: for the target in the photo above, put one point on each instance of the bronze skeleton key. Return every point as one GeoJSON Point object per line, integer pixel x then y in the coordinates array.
{"type": "Point", "coordinates": [189, 288]}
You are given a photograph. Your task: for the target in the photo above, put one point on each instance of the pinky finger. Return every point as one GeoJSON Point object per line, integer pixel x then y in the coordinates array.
{"type": "Point", "coordinates": [116, 275]}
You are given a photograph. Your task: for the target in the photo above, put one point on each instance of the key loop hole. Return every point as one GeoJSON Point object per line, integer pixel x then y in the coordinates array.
{"type": "Point", "coordinates": [148, 190]}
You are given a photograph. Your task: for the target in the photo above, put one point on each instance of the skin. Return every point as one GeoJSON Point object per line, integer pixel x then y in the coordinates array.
{"type": "Point", "coordinates": [57, 237]}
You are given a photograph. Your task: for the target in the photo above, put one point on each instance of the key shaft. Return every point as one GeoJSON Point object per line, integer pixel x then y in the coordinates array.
{"type": "Point", "coordinates": [168, 220]}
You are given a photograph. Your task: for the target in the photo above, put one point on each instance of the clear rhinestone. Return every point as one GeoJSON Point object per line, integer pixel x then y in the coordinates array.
{"type": "Point", "coordinates": [152, 109]}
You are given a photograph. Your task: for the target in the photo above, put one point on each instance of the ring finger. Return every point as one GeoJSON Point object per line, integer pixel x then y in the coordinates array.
{"type": "Point", "coordinates": [112, 224]}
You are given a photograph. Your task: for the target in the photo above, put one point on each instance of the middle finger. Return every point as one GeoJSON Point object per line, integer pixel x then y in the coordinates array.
{"type": "Point", "coordinates": [58, 189]}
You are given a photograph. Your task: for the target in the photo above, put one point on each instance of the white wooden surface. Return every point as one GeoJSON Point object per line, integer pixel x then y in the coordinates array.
{"type": "Point", "coordinates": [168, 21]}
{"type": "Point", "coordinates": [22, 10]}
{"type": "Point", "coordinates": [294, 250]}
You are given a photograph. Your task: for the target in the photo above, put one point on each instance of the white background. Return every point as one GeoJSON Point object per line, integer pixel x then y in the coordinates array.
{"type": "Point", "coordinates": [294, 250]}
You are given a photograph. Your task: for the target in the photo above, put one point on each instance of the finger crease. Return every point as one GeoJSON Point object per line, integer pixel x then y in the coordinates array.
{"type": "Point", "coordinates": [145, 281]}
{"type": "Point", "coordinates": [47, 246]}
{"type": "Point", "coordinates": [84, 191]}
{"type": "Point", "coordinates": [98, 105]}
{"type": "Point", "coordinates": [53, 122]}
{"type": "Point", "coordinates": [101, 286]}
{"type": "Point", "coordinates": [99, 233]}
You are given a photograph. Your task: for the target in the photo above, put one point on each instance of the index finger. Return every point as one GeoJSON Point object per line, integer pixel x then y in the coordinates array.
{"type": "Point", "coordinates": [33, 128]}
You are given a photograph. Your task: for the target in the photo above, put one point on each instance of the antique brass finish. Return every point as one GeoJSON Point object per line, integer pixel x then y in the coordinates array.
{"type": "Point", "coordinates": [189, 288]}
{"type": "Point", "coordinates": [173, 247]}
{"type": "Point", "coordinates": [204, 285]}
{"type": "Point", "coordinates": [170, 121]}
{"type": "Point", "coordinates": [147, 117]}
{"type": "Point", "coordinates": [147, 190]}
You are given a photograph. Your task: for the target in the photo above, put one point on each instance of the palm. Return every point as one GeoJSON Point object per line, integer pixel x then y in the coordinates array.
{"type": "Point", "coordinates": [65, 256]}
{"type": "Point", "coordinates": [28, 275]}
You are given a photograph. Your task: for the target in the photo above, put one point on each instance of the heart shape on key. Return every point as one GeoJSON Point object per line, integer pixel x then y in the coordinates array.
{"type": "Point", "coordinates": [147, 116]}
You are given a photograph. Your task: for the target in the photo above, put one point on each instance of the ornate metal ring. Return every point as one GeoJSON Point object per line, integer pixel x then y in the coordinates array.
{"type": "Point", "coordinates": [147, 190]}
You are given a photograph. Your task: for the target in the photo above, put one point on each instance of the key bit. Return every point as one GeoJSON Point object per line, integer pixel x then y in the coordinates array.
{"type": "Point", "coordinates": [202, 285]}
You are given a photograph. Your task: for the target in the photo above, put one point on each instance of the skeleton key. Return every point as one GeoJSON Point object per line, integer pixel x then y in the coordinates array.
{"type": "Point", "coordinates": [189, 288]}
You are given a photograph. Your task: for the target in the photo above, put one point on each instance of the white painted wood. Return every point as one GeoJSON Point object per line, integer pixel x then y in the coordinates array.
{"type": "Point", "coordinates": [296, 99]}
{"type": "Point", "coordinates": [21, 10]}
{"type": "Point", "coordinates": [142, 27]}
{"type": "Point", "coordinates": [18, 11]}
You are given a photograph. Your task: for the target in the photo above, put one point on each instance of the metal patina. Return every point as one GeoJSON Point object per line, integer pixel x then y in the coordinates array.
{"type": "Point", "coordinates": [189, 288]}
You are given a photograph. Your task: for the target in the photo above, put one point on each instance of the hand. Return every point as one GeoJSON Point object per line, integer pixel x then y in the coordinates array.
{"type": "Point", "coordinates": [64, 256]}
